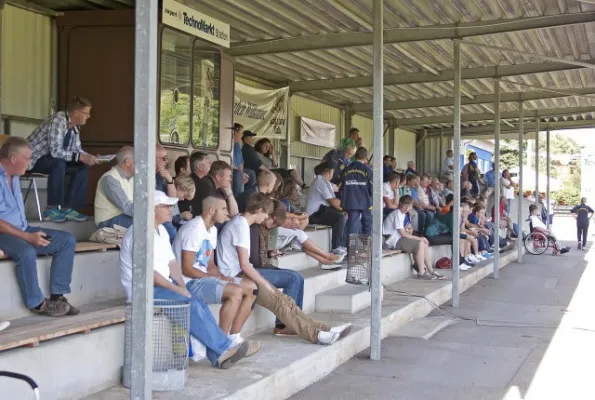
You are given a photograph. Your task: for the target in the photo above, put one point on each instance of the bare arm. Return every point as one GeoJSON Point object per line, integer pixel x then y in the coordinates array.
{"type": "Point", "coordinates": [232, 204]}
{"type": "Point", "coordinates": [9, 229]}
{"type": "Point", "coordinates": [187, 265]}
{"type": "Point", "coordinates": [335, 203]}
{"type": "Point", "coordinates": [159, 280]}
{"type": "Point", "coordinates": [176, 272]}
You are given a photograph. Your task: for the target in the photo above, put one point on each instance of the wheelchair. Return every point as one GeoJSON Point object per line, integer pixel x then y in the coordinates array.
{"type": "Point", "coordinates": [537, 243]}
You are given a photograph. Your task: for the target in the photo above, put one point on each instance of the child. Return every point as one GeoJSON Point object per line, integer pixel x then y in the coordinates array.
{"type": "Point", "coordinates": [356, 194]}
{"type": "Point", "coordinates": [582, 213]}
{"type": "Point", "coordinates": [539, 226]}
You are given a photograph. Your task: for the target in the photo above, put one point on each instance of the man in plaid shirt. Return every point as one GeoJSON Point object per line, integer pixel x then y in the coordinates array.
{"type": "Point", "coordinates": [57, 152]}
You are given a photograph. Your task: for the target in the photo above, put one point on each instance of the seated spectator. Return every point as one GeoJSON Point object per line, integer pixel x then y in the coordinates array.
{"type": "Point", "coordinates": [471, 234]}
{"type": "Point", "coordinates": [240, 177]}
{"type": "Point", "coordinates": [449, 202]}
{"type": "Point", "coordinates": [448, 188]}
{"type": "Point", "coordinates": [287, 194]}
{"type": "Point", "coordinates": [266, 181]}
{"type": "Point", "coordinates": [466, 187]}
{"type": "Point", "coordinates": [185, 190]}
{"type": "Point", "coordinates": [182, 166]}
{"type": "Point", "coordinates": [168, 281]}
{"type": "Point", "coordinates": [324, 208]}
{"type": "Point", "coordinates": [265, 151]}
{"type": "Point", "coordinates": [448, 165]}
{"type": "Point", "coordinates": [398, 226]}
{"type": "Point", "coordinates": [23, 243]}
{"type": "Point", "coordinates": [435, 194]}
{"type": "Point", "coordinates": [410, 168]}
{"type": "Point", "coordinates": [165, 183]}
{"type": "Point", "coordinates": [474, 222]}
{"type": "Point", "coordinates": [356, 194]}
{"type": "Point", "coordinates": [200, 165]}
{"type": "Point", "coordinates": [505, 221]}
{"type": "Point", "coordinates": [423, 187]}
{"type": "Point", "coordinates": [466, 241]}
{"type": "Point", "coordinates": [233, 255]}
{"type": "Point", "coordinates": [193, 248]}
{"type": "Point", "coordinates": [115, 190]}
{"type": "Point", "coordinates": [537, 225]}
{"type": "Point", "coordinates": [390, 193]}
{"type": "Point", "coordinates": [418, 218]}
{"type": "Point", "coordinates": [57, 151]}
{"type": "Point", "coordinates": [389, 165]}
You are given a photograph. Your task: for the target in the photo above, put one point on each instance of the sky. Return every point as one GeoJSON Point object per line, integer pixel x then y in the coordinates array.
{"type": "Point", "coordinates": [585, 137]}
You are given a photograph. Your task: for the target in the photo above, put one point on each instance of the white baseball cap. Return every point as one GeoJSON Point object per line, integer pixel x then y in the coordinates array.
{"type": "Point", "coordinates": [162, 198]}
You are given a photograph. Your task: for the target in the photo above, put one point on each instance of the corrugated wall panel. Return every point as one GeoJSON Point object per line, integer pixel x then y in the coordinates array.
{"type": "Point", "coordinates": [404, 147]}
{"type": "Point", "coordinates": [366, 130]}
{"type": "Point", "coordinates": [26, 63]}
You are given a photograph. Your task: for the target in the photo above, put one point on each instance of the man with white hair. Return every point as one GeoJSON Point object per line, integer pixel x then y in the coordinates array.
{"type": "Point", "coordinates": [114, 194]}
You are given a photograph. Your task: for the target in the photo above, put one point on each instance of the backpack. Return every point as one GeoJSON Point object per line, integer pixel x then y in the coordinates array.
{"type": "Point", "coordinates": [444, 263]}
{"type": "Point", "coordinates": [435, 228]}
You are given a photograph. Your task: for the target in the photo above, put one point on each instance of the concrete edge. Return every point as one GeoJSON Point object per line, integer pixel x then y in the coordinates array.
{"type": "Point", "coordinates": [308, 370]}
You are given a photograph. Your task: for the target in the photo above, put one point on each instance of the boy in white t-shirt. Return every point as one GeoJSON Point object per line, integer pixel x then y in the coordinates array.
{"type": "Point", "coordinates": [233, 260]}
{"type": "Point", "coordinates": [397, 225]}
{"type": "Point", "coordinates": [194, 249]}
{"type": "Point", "coordinates": [537, 225]}
{"type": "Point", "coordinates": [389, 193]}
{"type": "Point", "coordinates": [221, 351]}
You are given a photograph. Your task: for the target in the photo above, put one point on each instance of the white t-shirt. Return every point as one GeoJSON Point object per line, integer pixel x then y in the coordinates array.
{"type": "Point", "coordinates": [318, 194]}
{"type": "Point", "coordinates": [286, 235]}
{"type": "Point", "coordinates": [537, 222]}
{"type": "Point", "coordinates": [388, 191]}
{"type": "Point", "coordinates": [507, 192]}
{"type": "Point", "coordinates": [448, 162]}
{"type": "Point", "coordinates": [391, 226]}
{"type": "Point", "coordinates": [235, 233]}
{"type": "Point", "coordinates": [162, 256]}
{"type": "Point", "coordinates": [193, 236]}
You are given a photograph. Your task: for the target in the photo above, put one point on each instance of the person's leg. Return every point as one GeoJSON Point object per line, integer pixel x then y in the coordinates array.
{"type": "Point", "coordinates": [420, 261]}
{"type": "Point", "coordinates": [579, 232]}
{"type": "Point", "coordinates": [421, 221]}
{"type": "Point", "coordinates": [292, 283]}
{"type": "Point", "coordinates": [123, 220]}
{"type": "Point", "coordinates": [336, 220]}
{"type": "Point", "coordinates": [414, 218]}
{"type": "Point", "coordinates": [25, 257]}
{"type": "Point", "coordinates": [56, 169]}
{"type": "Point", "coordinates": [585, 233]}
{"type": "Point", "coordinates": [77, 188]}
{"type": "Point", "coordinates": [237, 183]}
{"type": "Point", "coordinates": [427, 257]}
{"type": "Point", "coordinates": [317, 253]}
{"type": "Point", "coordinates": [248, 290]}
{"type": "Point", "coordinates": [211, 290]}
{"type": "Point", "coordinates": [475, 246]}
{"type": "Point", "coordinates": [202, 324]}
{"type": "Point", "coordinates": [367, 222]}
{"type": "Point", "coordinates": [353, 223]}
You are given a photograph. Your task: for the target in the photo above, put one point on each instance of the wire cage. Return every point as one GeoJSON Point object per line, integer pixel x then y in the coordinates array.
{"type": "Point", "coordinates": [359, 259]}
{"type": "Point", "coordinates": [171, 326]}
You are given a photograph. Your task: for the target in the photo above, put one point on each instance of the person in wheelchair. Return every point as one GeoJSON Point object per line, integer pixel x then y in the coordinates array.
{"type": "Point", "coordinates": [537, 225]}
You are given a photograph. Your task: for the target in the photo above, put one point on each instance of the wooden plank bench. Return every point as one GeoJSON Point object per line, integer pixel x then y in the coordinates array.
{"type": "Point", "coordinates": [316, 227]}
{"type": "Point", "coordinates": [30, 335]}
{"type": "Point", "coordinates": [81, 247]}
{"type": "Point", "coordinates": [388, 252]}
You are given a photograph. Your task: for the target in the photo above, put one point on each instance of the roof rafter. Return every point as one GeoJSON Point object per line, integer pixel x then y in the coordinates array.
{"type": "Point", "coordinates": [528, 127]}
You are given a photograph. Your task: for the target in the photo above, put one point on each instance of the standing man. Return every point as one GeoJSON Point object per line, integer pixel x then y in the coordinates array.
{"type": "Point", "coordinates": [583, 214]}
{"type": "Point", "coordinates": [356, 194]}
{"type": "Point", "coordinates": [252, 162]}
{"type": "Point", "coordinates": [410, 169]}
{"type": "Point", "coordinates": [22, 243]}
{"type": "Point", "coordinates": [448, 165]}
{"type": "Point", "coordinates": [57, 152]}
{"type": "Point", "coordinates": [114, 194]}
{"type": "Point", "coordinates": [240, 178]}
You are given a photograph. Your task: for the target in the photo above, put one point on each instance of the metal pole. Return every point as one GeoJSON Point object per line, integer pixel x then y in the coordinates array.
{"type": "Point", "coordinates": [391, 136]}
{"type": "Point", "coordinates": [521, 165]}
{"type": "Point", "coordinates": [496, 272]}
{"type": "Point", "coordinates": [145, 131]}
{"type": "Point", "coordinates": [378, 169]}
{"type": "Point", "coordinates": [288, 143]}
{"type": "Point", "coordinates": [441, 155]}
{"type": "Point", "coordinates": [456, 215]}
{"type": "Point", "coordinates": [537, 162]}
{"type": "Point", "coordinates": [547, 174]}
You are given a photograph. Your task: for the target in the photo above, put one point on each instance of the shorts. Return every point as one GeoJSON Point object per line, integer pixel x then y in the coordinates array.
{"type": "Point", "coordinates": [407, 245]}
{"type": "Point", "coordinates": [209, 290]}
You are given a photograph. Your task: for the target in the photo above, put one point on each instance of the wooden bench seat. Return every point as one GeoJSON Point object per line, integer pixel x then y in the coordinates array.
{"type": "Point", "coordinates": [388, 252]}
{"type": "Point", "coordinates": [316, 227]}
{"type": "Point", "coordinates": [81, 247]}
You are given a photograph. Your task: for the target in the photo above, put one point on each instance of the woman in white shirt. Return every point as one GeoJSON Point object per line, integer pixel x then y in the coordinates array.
{"type": "Point", "coordinates": [507, 189]}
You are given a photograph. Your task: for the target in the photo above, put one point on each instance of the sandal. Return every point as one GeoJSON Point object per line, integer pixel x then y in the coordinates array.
{"type": "Point", "coordinates": [438, 276]}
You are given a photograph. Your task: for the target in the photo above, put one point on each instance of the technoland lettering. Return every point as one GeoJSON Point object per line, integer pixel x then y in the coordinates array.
{"type": "Point", "coordinates": [202, 25]}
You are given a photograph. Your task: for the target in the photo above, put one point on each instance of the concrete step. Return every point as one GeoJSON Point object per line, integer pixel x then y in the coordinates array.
{"type": "Point", "coordinates": [344, 299]}
{"type": "Point", "coordinates": [295, 261]}
{"type": "Point", "coordinates": [322, 237]}
{"type": "Point", "coordinates": [96, 278]}
{"type": "Point", "coordinates": [80, 230]}
{"type": "Point", "coordinates": [285, 366]}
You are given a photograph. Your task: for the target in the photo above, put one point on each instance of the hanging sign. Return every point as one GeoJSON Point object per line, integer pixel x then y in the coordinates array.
{"type": "Point", "coordinates": [195, 23]}
{"type": "Point", "coordinates": [317, 133]}
{"type": "Point", "coordinates": [262, 111]}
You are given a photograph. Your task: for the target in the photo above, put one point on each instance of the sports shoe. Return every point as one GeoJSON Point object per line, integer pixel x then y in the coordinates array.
{"type": "Point", "coordinates": [340, 251]}
{"type": "Point", "coordinates": [253, 348]}
{"type": "Point", "coordinates": [438, 276]}
{"type": "Point", "coordinates": [464, 267]}
{"type": "Point", "coordinates": [427, 277]}
{"type": "Point", "coordinates": [54, 308]}
{"type": "Point", "coordinates": [580, 246]}
{"type": "Point", "coordinates": [564, 250]}
{"type": "Point", "coordinates": [73, 215]}
{"type": "Point", "coordinates": [470, 260]}
{"type": "Point", "coordinates": [73, 310]}
{"type": "Point", "coordinates": [340, 258]}
{"type": "Point", "coordinates": [330, 267]}
{"type": "Point", "coordinates": [4, 325]}
{"type": "Point", "coordinates": [342, 330]}
{"type": "Point", "coordinates": [233, 355]}
{"type": "Point", "coordinates": [328, 338]}
{"type": "Point", "coordinates": [53, 215]}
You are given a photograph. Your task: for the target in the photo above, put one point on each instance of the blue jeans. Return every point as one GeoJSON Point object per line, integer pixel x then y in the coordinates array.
{"type": "Point", "coordinates": [359, 221]}
{"type": "Point", "coordinates": [251, 184]}
{"type": "Point", "coordinates": [237, 182]}
{"type": "Point", "coordinates": [57, 169]}
{"type": "Point", "coordinates": [202, 323]}
{"type": "Point", "coordinates": [292, 283]}
{"type": "Point", "coordinates": [24, 255]}
{"type": "Point", "coordinates": [171, 231]}
{"type": "Point", "coordinates": [125, 221]}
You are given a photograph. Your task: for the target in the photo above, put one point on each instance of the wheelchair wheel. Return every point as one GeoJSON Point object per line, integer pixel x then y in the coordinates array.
{"type": "Point", "coordinates": [536, 243]}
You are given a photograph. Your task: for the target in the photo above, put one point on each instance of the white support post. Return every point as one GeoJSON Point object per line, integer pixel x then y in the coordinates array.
{"type": "Point", "coordinates": [496, 271]}
{"type": "Point", "coordinates": [537, 161]}
{"type": "Point", "coordinates": [521, 166]}
{"type": "Point", "coordinates": [457, 173]}
{"type": "Point", "coordinates": [378, 98]}
{"type": "Point", "coordinates": [145, 132]}
{"type": "Point", "coordinates": [441, 155]}
{"type": "Point", "coordinates": [547, 174]}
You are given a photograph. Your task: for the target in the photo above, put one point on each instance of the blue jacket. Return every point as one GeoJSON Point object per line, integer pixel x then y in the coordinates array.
{"type": "Point", "coordinates": [356, 186]}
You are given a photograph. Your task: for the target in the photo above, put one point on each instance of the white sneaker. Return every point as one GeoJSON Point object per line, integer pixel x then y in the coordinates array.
{"type": "Point", "coordinates": [340, 259]}
{"type": "Point", "coordinates": [328, 338]}
{"type": "Point", "coordinates": [342, 330]}
{"type": "Point", "coordinates": [470, 260]}
{"type": "Point", "coordinates": [4, 325]}
{"type": "Point", "coordinates": [340, 250]}
{"type": "Point", "coordinates": [464, 267]}
{"type": "Point", "coordinates": [236, 339]}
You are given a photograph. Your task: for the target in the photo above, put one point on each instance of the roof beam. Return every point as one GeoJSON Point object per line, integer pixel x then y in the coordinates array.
{"type": "Point", "coordinates": [404, 35]}
{"type": "Point", "coordinates": [497, 71]}
{"type": "Point", "coordinates": [481, 99]}
{"type": "Point", "coordinates": [447, 119]}
{"type": "Point", "coordinates": [488, 130]}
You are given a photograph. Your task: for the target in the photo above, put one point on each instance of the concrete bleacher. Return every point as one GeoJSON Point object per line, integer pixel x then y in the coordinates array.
{"type": "Point", "coordinates": [78, 356]}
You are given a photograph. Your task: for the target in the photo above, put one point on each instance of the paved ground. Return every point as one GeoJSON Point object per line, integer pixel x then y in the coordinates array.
{"type": "Point", "coordinates": [531, 335]}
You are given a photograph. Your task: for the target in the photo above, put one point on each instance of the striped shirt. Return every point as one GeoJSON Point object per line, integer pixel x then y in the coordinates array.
{"type": "Point", "coordinates": [51, 138]}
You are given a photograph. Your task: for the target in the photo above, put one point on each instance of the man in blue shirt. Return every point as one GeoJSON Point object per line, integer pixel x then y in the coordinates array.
{"type": "Point", "coordinates": [23, 243]}
{"type": "Point", "coordinates": [582, 213]}
{"type": "Point", "coordinates": [241, 178]}
{"type": "Point", "coordinates": [356, 194]}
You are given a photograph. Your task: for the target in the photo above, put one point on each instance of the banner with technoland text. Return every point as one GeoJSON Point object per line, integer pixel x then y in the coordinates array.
{"type": "Point", "coordinates": [262, 111]}
{"type": "Point", "coordinates": [195, 23]}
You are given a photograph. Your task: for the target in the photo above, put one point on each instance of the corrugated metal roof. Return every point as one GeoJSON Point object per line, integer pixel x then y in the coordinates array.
{"type": "Point", "coordinates": [267, 19]}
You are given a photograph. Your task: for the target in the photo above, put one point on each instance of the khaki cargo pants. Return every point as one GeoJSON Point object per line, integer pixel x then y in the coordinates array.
{"type": "Point", "coordinates": [290, 314]}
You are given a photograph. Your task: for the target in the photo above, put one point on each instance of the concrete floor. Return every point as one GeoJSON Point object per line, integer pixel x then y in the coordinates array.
{"type": "Point", "coordinates": [531, 335]}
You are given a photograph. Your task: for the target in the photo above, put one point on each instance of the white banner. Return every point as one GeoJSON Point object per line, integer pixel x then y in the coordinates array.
{"type": "Point", "coordinates": [262, 111]}
{"type": "Point", "coordinates": [318, 133]}
{"type": "Point", "coordinates": [195, 23]}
